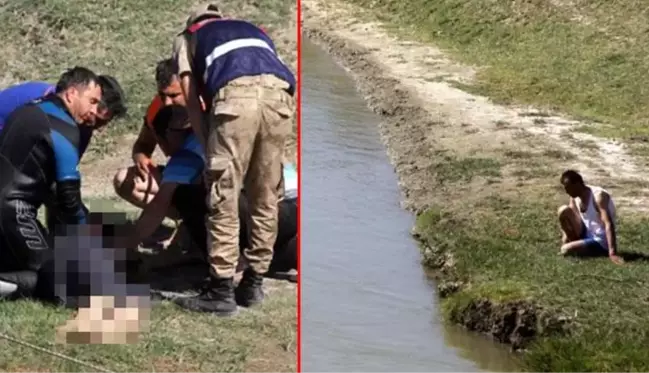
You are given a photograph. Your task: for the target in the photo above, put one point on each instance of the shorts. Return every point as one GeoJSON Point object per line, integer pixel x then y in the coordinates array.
{"type": "Point", "coordinates": [591, 243]}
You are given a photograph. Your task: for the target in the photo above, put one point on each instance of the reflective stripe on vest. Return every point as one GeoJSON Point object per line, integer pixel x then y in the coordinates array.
{"type": "Point", "coordinates": [228, 47]}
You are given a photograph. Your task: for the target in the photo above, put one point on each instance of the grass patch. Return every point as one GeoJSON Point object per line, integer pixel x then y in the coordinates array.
{"type": "Point", "coordinates": [214, 344]}
{"type": "Point", "coordinates": [125, 39]}
{"type": "Point", "coordinates": [452, 169]}
{"type": "Point", "coordinates": [585, 58]}
{"type": "Point", "coordinates": [506, 248]}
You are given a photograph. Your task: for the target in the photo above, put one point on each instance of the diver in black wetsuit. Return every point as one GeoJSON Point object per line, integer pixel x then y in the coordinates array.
{"type": "Point", "coordinates": [39, 156]}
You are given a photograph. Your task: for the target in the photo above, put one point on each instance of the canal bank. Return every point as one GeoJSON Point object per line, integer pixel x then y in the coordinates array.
{"type": "Point", "coordinates": [482, 179]}
{"type": "Point", "coordinates": [367, 304]}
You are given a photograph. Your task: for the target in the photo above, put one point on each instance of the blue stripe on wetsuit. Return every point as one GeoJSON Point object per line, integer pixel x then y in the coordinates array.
{"type": "Point", "coordinates": [66, 153]}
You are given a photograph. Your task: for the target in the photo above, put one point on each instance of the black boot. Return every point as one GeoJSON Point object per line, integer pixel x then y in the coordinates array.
{"type": "Point", "coordinates": [216, 297]}
{"type": "Point", "coordinates": [249, 291]}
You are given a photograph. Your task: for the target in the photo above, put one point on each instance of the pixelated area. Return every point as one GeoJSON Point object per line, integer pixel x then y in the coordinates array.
{"type": "Point", "coordinates": [93, 271]}
{"type": "Point", "coordinates": [107, 320]}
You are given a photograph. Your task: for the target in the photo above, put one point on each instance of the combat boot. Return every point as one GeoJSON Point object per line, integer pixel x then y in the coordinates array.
{"type": "Point", "coordinates": [217, 297]}
{"type": "Point", "coordinates": [249, 292]}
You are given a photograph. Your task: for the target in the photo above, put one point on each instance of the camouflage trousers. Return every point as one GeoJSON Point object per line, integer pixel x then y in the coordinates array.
{"type": "Point", "coordinates": [249, 123]}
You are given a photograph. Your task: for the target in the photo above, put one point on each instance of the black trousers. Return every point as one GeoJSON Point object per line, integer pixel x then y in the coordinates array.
{"type": "Point", "coordinates": [189, 200]}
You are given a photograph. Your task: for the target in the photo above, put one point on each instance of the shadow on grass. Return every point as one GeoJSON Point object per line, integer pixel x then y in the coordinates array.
{"type": "Point", "coordinates": [627, 255]}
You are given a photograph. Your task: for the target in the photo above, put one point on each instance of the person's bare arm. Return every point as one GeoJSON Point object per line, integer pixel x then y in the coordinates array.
{"type": "Point", "coordinates": [152, 215]}
{"type": "Point", "coordinates": [145, 143]}
{"type": "Point", "coordinates": [602, 200]}
{"type": "Point", "coordinates": [194, 107]}
{"type": "Point", "coordinates": [188, 85]}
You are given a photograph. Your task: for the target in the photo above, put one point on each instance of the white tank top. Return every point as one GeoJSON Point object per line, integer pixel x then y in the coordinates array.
{"type": "Point", "coordinates": [591, 218]}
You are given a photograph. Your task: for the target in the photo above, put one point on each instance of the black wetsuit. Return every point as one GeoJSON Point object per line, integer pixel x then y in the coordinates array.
{"type": "Point", "coordinates": [39, 157]}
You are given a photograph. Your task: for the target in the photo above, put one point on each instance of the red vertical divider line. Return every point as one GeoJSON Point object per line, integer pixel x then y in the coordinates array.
{"type": "Point", "coordinates": [299, 183]}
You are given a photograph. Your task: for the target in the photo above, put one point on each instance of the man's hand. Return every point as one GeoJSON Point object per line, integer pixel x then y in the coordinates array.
{"type": "Point", "coordinates": [144, 165]}
{"type": "Point", "coordinates": [616, 259]}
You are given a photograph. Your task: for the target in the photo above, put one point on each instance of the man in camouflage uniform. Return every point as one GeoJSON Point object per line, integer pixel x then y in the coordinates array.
{"type": "Point", "coordinates": [233, 66]}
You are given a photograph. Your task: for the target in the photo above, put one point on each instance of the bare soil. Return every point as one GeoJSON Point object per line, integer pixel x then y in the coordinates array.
{"type": "Point", "coordinates": [413, 86]}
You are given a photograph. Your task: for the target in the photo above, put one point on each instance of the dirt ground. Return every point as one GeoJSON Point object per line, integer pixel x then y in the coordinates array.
{"type": "Point", "coordinates": [414, 87]}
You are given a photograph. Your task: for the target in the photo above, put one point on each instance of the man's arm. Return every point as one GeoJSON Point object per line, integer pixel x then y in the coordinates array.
{"type": "Point", "coordinates": [188, 86]}
{"type": "Point", "coordinates": [194, 107]}
{"type": "Point", "coordinates": [152, 215]}
{"type": "Point", "coordinates": [145, 143]}
{"type": "Point", "coordinates": [602, 201]}
{"type": "Point", "coordinates": [183, 167]}
{"type": "Point", "coordinates": [68, 181]}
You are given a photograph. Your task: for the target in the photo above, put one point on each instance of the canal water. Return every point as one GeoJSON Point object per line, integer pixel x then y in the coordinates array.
{"type": "Point", "coordinates": [367, 304]}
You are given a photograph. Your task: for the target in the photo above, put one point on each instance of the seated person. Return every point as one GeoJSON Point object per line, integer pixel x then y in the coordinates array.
{"type": "Point", "coordinates": [588, 222]}
{"type": "Point", "coordinates": [181, 186]}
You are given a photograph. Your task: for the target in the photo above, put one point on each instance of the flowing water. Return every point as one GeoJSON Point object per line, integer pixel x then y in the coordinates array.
{"type": "Point", "coordinates": [367, 304]}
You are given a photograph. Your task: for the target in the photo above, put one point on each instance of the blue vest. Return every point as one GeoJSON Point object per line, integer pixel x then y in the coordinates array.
{"type": "Point", "coordinates": [229, 49]}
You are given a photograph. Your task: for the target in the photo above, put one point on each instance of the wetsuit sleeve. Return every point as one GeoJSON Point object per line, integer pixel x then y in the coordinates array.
{"type": "Point", "coordinates": [183, 168]}
{"type": "Point", "coordinates": [68, 180]}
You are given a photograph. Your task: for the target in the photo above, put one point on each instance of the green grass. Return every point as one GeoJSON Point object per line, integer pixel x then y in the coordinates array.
{"type": "Point", "coordinates": [504, 249]}
{"type": "Point", "coordinates": [41, 38]}
{"type": "Point", "coordinates": [586, 57]}
{"type": "Point", "coordinates": [177, 341]}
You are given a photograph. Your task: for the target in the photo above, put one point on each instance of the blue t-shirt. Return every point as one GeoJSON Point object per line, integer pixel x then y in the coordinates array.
{"type": "Point", "coordinates": [11, 98]}
{"type": "Point", "coordinates": [17, 95]}
{"type": "Point", "coordinates": [186, 165]}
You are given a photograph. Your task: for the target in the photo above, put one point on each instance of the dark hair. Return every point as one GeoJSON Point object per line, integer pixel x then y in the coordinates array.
{"type": "Point", "coordinates": [75, 77]}
{"type": "Point", "coordinates": [168, 116]}
{"type": "Point", "coordinates": [571, 176]}
{"type": "Point", "coordinates": [164, 73]}
{"type": "Point", "coordinates": [113, 97]}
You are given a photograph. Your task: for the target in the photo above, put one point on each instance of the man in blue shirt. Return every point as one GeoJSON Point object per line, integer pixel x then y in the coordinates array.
{"type": "Point", "coordinates": [183, 186]}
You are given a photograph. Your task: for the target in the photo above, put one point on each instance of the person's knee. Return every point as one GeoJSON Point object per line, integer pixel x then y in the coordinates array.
{"type": "Point", "coordinates": [562, 211]}
{"type": "Point", "coordinates": [119, 181]}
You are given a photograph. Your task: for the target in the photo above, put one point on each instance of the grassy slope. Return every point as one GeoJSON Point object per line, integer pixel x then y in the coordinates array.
{"type": "Point", "coordinates": [493, 228]}
{"type": "Point", "coordinates": [586, 58]}
{"type": "Point", "coordinates": [126, 38]}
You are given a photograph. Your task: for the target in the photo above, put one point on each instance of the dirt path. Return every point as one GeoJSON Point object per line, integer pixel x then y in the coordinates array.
{"type": "Point", "coordinates": [412, 86]}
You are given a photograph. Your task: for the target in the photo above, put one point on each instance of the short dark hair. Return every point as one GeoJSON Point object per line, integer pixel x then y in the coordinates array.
{"type": "Point", "coordinates": [164, 73]}
{"type": "Point", "coordinates": [76, 76]}
{"type": "Point", "coordinates": [572, 176]}
{"type": "Point", "coordinates": [113, 97]}
{"type": "Point", "coordinates": [168, 116]}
